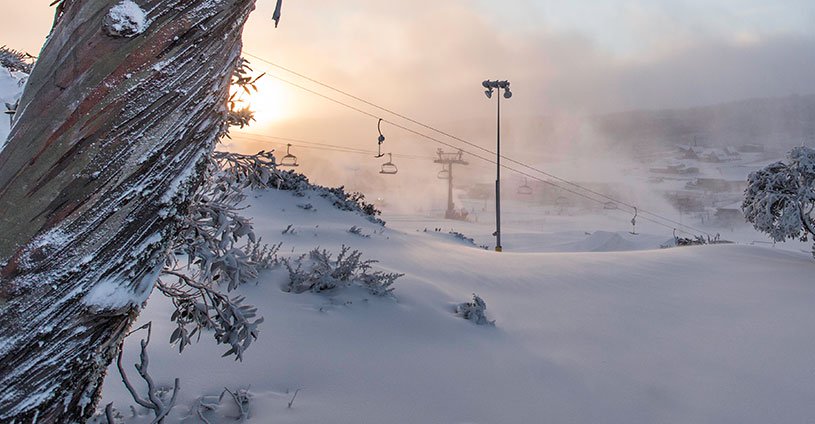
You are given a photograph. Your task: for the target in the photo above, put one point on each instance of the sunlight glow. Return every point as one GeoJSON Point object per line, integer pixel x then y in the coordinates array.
{"type": "Point", "coordinates": [272, 103]}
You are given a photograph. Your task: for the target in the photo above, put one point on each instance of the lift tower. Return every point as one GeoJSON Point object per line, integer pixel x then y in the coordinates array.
{"type": "Point", "coordinates": [447, 160]}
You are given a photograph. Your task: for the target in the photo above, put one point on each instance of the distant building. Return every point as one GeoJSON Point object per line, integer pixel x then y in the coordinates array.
{"type": "Point", "coordinates": [716, 185]}
{"type": "Point", "coordinates": [713, 156]}
{"type": "Point", "coordinates": [732, 152]}
{"type": "Point", "coordinates": [729, 214]}
{"type": "Point", "coordinates": [751, 148]}
{"type": "Point", "coordinates": [688, 152]}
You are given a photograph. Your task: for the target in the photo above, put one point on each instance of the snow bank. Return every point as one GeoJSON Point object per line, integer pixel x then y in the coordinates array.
{"type": "Point", "coordinates": [604, 241]}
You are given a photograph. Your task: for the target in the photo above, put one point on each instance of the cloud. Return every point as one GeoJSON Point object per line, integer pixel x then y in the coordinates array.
{"type": "Point", "coordinates": [429, 58]}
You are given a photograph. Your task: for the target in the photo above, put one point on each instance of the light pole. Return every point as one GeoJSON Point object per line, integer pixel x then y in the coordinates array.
{"type": "Point", "coordinates": [490, 86]}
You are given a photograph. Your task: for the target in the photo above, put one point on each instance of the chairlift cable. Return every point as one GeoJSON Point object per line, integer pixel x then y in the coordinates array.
{"type": "Point", "coordinates": [361, 111]}
{"type": "Point", "coordinates": [315, 145]}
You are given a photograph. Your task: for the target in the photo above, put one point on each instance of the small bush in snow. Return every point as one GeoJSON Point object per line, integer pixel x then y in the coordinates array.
{"type": "Point", "coordinates": [475, 311]}
{"type": "Point", "coordinates": [342, 200]}
{"type": "Point", "coordinates": [208, 405]}
{"type": "Point", "coordinates": [464, 238]}
{"type": "Point", "coordinates": [318, 272]}
{"type": "Point", "coordinates": [357, 232]}
{"type": "Point", "coordinates": [242, 398]}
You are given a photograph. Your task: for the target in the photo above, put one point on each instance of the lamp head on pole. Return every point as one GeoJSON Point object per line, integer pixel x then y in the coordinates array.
{"type": "Point", "coordinates": [491, 86]}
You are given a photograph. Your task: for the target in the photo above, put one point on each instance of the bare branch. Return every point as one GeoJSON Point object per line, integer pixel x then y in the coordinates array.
{"type": "Point", "coordinates": [157, 405]}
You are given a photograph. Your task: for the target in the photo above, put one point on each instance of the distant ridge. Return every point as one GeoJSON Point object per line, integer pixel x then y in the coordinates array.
{"type": "Point", "coordinates": [774, 122]}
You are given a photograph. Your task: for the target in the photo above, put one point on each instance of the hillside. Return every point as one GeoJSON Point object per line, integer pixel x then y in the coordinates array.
{"type": "Point", "coordinates": [777, 123]}
{"type": "Point", "coordinates": [705, 335]}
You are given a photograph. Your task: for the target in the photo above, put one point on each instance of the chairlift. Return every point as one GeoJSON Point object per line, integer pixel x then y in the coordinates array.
{"type": "Point", "coordinates": [389, 167]}
{"type": "Point", "coordinates": [444, 174]}
{"type": "Point", "coordinates": [11, 109]}
{"type": "Point", "coordinates": [634, 222]}
{"type": "Point", "coordinates": [289, 160]}
{"type": "Point", "coordinates": [380, 140]}
{"type": "Point", "coordinates": [525, 189]}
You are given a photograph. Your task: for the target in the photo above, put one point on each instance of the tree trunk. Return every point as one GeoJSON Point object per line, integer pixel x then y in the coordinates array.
{"type": "Point", "coordinates": [111, 136]}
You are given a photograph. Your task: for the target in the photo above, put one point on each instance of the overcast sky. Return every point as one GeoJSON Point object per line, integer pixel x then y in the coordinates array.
{"type": "Point", "coordinates": [584, 55]}
{"type": "Point", "coordinates": [427, 58]}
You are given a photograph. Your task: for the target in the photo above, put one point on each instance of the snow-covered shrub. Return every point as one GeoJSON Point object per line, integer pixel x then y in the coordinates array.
{"type": "Point", "coordinates": [207, 405]}
{"type": "Point", "coordinates": [259, 171]}
{"type": "Point", "coordinates": [216, 247]}
{"type": "Point", "coordinates": [475, 311]}
{"type": "Point", "coordinates": [378, 283]}
{"type": "Point", "coordinates": [250, 171]}
{"type": "Point", "coordinates": [780, 198]}
{"type": "Point", "coordinates": [358, 232]}
{"type": "Point", "coordinates": [14, 60]}
{"type": "Point", "coordinates": [342, 200]}
{"type": "Point", "coordinates": [466, 239]}
{"type": "Point", "coordinates": [242, 399]}
{"type": "Point", "coordinates": [318, 272]}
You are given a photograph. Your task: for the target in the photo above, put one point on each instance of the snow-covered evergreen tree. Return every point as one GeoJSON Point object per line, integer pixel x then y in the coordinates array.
{"type": "Point", "coordinates": [780, 198]}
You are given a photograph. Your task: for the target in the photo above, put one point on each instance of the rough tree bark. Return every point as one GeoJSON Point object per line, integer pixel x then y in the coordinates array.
{"type": "Point", "coordinates": [110, 138]}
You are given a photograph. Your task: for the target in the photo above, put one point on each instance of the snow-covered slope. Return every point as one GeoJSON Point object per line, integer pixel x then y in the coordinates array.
{"type": "Point", "coordinates": [714, 334]}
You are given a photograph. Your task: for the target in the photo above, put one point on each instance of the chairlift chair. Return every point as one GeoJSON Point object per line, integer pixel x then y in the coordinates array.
{"type": "Point", "coordinates": [389, 167]}
{"type": "Point", "coordinates": [380, 140]}
{"type": "Point", "coordinates": [444, 174]}
{"type": "Point", "coordinates": [525, 189]}
{"type": "Point", "coordinates": [289, 160]}
{"type": "Point", "coordinates": [11, 109]}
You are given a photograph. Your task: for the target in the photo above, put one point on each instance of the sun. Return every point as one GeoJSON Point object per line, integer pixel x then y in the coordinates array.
{"type": "Point", "coordinates": [271, 103]}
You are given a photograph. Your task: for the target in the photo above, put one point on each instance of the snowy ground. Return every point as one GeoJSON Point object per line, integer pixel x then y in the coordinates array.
{"type": "Point", "coordinates": [597, 327]}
